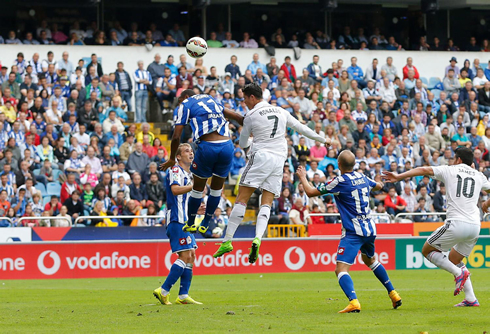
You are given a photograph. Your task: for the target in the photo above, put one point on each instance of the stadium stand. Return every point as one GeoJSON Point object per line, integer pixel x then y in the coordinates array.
{"type": "Point", "coordinates": [73, 140]}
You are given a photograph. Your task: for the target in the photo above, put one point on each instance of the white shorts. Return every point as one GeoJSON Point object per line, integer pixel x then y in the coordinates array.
{"type": "Point", "coordinates": [264, 171]}
{"type": "Point", "coordinates": [458, 234]}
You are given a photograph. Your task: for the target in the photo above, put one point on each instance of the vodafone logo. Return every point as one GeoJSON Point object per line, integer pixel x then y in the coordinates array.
{"type": "Point", "coordinates": [56, 262]}
{"type": "Point", "coordinates": [300, 253]}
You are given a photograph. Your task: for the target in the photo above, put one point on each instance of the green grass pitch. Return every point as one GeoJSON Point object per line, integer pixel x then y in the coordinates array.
{"type": "Point", "coordinates": [268, 303]}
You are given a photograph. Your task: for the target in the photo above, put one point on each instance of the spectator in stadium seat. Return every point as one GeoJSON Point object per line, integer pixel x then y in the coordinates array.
{"type": "Point", "coordinates": [138, 190]}
{"type": "Point", "coordinates": [409, 66]}
{"type": "Point", "coordinates": [68, 187]}
{"type": "Point", "coordinates": [94, 162]}
{"type": "Point", "coordinates": [138, 160]}
{"type": "Point", "coordinates": [111, 121]}
{"type": "Point", "coordinates": [314, 70]}
{"type": "Point", "coordinates": [74, 205]}
{"type": "Point", "coordinates": [394, 204]}
{"type": "Point", "coordinates": [29, 39]}
{"type": "Point", "coordinates": [228, 42]}
{"type": "Point", "coordinates": [155, 190]}
{"type": "Point", "coordinates": [390, 69]}
{"type": "Point", "coordinates": [12, 85]}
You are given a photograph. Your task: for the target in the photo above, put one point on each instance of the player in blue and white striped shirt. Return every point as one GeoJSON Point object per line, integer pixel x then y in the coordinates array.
{"type": "Point", "coordinates": [142, 79]}
{"type": "Point", "coordinates": [178, 184]}
{"type": "Point", "coordinates": [214, 152]}
{"type": "Point", "coordinates": [351, 191]}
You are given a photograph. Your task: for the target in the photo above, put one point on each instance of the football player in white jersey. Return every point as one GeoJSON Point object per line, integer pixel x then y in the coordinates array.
{"type": "Point", "coordinates": [268, 151]}
{"type": "Point", "coordinates": [460, 232]}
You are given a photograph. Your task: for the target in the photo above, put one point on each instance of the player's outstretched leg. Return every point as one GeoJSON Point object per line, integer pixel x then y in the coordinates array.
{"type": "Point", "coordinates": [470, 298]}
{"type": "Point", "coordinates": [176, 271]}
{"type": "Point", "coordinates": [193, 204]}
{"type": "Point", "coordinates": [347, 285]}
{"type": "Point", "coordinates": [185, 284]}
{"type": "Point", "coordinates": [443, 262]}
{"type": "Point", "coordinates": [213, 201]}
{"type": "Point", "coordinates": [262, 221]}
{"type": "Point", "coordinates": [380, 272]}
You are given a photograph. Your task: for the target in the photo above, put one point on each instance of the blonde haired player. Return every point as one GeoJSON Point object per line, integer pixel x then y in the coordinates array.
{"type": "Point", "coordinates": [268, 152]}
{"type": "Point", "coordinates": [460, 232]}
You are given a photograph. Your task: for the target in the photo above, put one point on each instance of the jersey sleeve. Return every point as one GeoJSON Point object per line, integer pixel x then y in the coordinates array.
{"type": "Point", "coordinates": [175, 178]}
{"type": "Point", "coordinates": [332, 187]}
{"type": "Point", "coordinates": [439, 172]}
{"type": "Point", "coordinates": [303, 129]}
{"type": "Point", "coordinates": [371, 182]}
{"type": "Point", "coordinates": [486, 183]}
{"type": "Point", "coordinates": [245, 133]}
{"type": "Point", "coordinates": [183, 114]}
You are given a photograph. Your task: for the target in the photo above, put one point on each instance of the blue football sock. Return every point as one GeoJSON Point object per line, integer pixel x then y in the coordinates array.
{"type": "Point", "coordinates": [195, 200]}
{"type": "Point", "coordinates": [185, 280]}
{"type": "Point", "coordinates": [380, 272]}
{"type": "Point", "coordinates": [213, 201]}
{"type": "Point", "coordinates": [176, 271]}
{"type": "Point", "coordinates": [347, 285]}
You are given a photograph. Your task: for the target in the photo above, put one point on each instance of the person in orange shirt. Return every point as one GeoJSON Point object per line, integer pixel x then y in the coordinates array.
{"type": "Point", "coordinates": [4, 203]}
{"type": "Point", "coordinates": [147, 147]}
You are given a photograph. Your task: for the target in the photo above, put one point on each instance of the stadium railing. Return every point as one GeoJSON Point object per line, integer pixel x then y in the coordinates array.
{"type": "Point", "coordinates": [8, 219]}
{"type": "Point", "coordinates": [387, 216]}
{"type": "Point", "coordinates": [45, 218]}
{"type": "Point", "coordinates": [116, 217]}
{"type": "Point", "coordinates": [286, 231]}
{"type": "Point", "coordinates": [398, 217]}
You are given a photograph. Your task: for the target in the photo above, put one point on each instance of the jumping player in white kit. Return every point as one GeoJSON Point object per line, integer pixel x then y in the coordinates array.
{"type": "Point", "coordinates": [460, 232]}
{"type": "Point", "coordinates": [268, 151]}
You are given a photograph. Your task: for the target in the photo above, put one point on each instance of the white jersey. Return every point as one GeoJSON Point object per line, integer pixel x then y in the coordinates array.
{"type": "Point", "coordinates": [463, 187]}
{"type": "Point", "coordinates": [268, 124]}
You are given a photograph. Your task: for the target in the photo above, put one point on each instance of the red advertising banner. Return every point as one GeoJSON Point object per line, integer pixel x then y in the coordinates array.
{"type": "Point", "coordinates": [136, 259]}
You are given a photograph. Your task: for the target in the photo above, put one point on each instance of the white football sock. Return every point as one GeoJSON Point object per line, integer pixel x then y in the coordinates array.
{"type": "Point", "coordinates": [443, 262]}
{"type": "Point", "coordinates": [182, 297]}
{"type": "Point", "coordinates": [468, 288]}
{"type": "Point", "coordinates": [262, 221]}
{"type": "Point", "coordinates": [236, 218]}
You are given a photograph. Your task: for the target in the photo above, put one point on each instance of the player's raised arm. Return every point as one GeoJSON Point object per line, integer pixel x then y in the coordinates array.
{"type": "Point", "coordinates": [233, 115]}
{"type": "Point", "coordinates": [310, 191]}
{"type": "Point", "coordinates": [419, 171]}
{"type": "Point", "coordinates": [304, 130]}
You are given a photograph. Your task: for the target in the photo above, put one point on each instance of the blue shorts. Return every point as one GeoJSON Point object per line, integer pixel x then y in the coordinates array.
{"type": "Point", "coordinates": [212, 159]}
{"type": "Point", "coordinates": [180, 240]}
{"type": "Point", "coordinates": [350, 245]}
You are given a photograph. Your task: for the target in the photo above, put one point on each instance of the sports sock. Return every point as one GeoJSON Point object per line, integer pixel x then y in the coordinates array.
{"type": "Point", "coordinates": [236, 217]}
{"type": "Point", "coordinates": [381, 274]}
{"type": "Point", "coordinates": [213, 201]}
{"type": "Point", "coordinates": [468, 288]}
{"type": "Point", "coordinates": [176, 271]}
{"type": "Point", "coordinates": [347, 285]}
{"type": "Point", "coordinates": [193, 205]}
{"type": "Point", "coordinates": [262, 221]}
{"type": "Point", "coordinates": [185, 281]}
{"type": "Point", "coordinates": [443, 262]}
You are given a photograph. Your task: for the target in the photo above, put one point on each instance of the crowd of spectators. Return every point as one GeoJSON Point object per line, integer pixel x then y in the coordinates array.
{"type": "Point", "coordinates": [67, 125]}
{"type": "Point", "coordinates": [131, 35]}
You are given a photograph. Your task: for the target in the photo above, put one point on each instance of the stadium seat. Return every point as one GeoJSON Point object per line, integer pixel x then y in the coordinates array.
{"type": "Point", "coordinates": [437, 93]}
{"type": "Point", "coordinates": [42, 188]}
{"type": "Point", "coordinates": [424, 81]}
{"type": "Point", "coordinates": [46, 200]}
{"type": "Point", "coordinates": [433, 81]}
{"type": "Point", "coordinates": [53, 188]}
{"type": "Point", "coordinates": [56, 175]}
{"type": "Point", "coordinates": [484, 66]}
{"type": "Point", "coordinates": [36, 172]}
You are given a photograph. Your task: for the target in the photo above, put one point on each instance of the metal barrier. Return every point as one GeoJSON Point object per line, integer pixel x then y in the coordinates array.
{"type": "Point", "coordinates": [285, 231]}
{"type": "Point", "coordinates": [117, 217]}
{"type": "Point", "coordinates": [338, 215]}
{"type": "Point", "coordinates": [45, 218]}
{"type": "Point", "coordinates": [405, 214]}
{"type": "Point", "coordinates": [6, 218]}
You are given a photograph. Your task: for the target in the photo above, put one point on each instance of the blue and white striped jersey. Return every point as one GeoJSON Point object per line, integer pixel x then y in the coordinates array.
{"type": "Point", "coordinates": [351, 191]}
{"type": "Point", "coordinates": [204, 114]}
{"type": "Point", "coordinates": [141, 75]}
{"type": "Point", "coordinates": [177, 205]}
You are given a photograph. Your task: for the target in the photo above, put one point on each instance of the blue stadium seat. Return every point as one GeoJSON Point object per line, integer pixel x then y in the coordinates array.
{"type": "Point", "coordinates": [56, 175]}
{"type": "Point", "coordinates": [53, 188]}
{"type": "Point", "coordinates": [42, 188]}
{"type": "Point", "coordinates": [46, 200]}
{"type": "Point", "coordinates": [424, 81]}
{"type": "Point", "coordinates": [433, 81]}
{"type": "Point", "coordinates": [484, 65]}
{"type": "Point", "coordinates": [437, 93]}
{"type": "Point", "coordinates": [36, 172]}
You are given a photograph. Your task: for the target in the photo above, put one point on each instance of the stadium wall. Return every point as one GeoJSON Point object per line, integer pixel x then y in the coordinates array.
{"type": "Point", "coordinates": [429, 64]}
{"type": "Point", "coordinates": [154, 258]}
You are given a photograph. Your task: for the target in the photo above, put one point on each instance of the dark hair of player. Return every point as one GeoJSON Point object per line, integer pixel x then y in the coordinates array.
{"type": "Point", "coordinates": [185, 94]}
{"type": "Point", "coordinates": [465, 154]}
{"type": "Point", "coordinates": [252, 89]}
